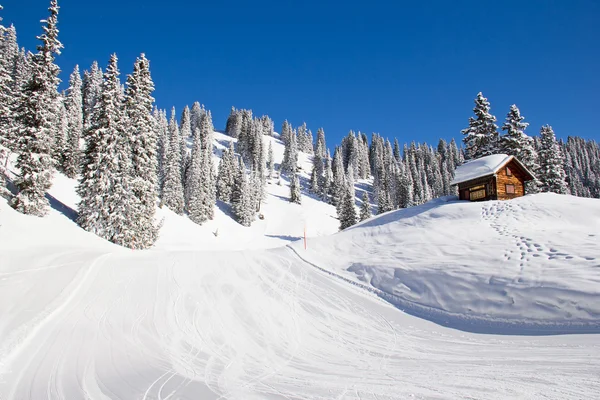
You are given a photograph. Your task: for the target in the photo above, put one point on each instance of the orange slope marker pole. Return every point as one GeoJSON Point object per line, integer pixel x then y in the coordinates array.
{"type": "Point", "coordinates": [304, 237]}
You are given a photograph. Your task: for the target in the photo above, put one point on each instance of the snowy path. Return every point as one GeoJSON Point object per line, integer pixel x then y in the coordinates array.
{"type": "Point", "coordinates": [251, 325]}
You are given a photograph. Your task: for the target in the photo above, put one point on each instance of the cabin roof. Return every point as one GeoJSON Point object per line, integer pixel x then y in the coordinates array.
{"type": "Point", "coordinates": [484, 166]}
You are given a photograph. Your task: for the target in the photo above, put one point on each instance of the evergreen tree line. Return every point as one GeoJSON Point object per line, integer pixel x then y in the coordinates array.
{"type": "Point", "coordinates": [127, 154]}
{"type": "Point", "coordinates": [572, 167]}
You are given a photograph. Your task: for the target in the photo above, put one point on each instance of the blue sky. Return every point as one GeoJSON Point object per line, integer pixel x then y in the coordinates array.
{"type": "Point", "coordinates": [403, 69]}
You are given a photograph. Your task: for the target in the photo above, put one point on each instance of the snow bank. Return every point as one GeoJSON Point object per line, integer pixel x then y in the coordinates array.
{"type": "Point", "coordinates": [525, 266]}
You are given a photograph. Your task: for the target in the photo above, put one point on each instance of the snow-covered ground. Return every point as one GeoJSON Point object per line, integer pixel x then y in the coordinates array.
{"type": "Point", "coordinates": [526, 266]}
{"type": "Point", "coordinates": [82, 318]}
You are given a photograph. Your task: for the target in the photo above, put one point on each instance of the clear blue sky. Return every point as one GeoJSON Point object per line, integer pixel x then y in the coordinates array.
{"type": "Point", "coordinates": [404, 69]}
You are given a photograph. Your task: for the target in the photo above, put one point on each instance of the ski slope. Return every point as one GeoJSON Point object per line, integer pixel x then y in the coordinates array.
{"type": "Point", "coordinates": [250, 314]}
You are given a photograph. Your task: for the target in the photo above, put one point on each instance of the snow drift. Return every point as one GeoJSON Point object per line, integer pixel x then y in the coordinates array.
{"type": "Point", "coordinates": [526, 266]}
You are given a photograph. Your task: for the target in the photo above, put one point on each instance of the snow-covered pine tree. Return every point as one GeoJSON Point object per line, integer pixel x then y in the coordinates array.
{"type": "Point", "coordinates": [9, 93]}
{"type": "Point", "coordinates": [338, 183]}
{"type": "Point", "coordinates": [286, 132]}
{"type": "Point", "coordinates": [185, 125]}
{"type": "Point", "coordinates": [290, 155]}
{"type": "Point", "coordinates": [241, 202]}
{"type": "Point", "coordinates": [36, 120]}
{"type": "Point", "coordinates": [270, 160]}
{"type": "Point", "coordinates": [365, 208]}
{"type": "Point", "coordinates": [551, 173]}
{"type": "Point", "coordinates": [196, 115]}
{"type": "Point", "coordinates": [71, 157]}
{"type": "Point", "coordinates": [234, 123]}
{"type": "Point", "coordinates": [61, 130]}
{"type": "Point", "coordinates": [301, 137]}
{"type": "Point", "coordinates": [347, 210]}
{"type": "Point", "coordinates": [516, 143]}
{"type": "Point", "coordinates": [194, 192]}
{"type": "Point", "coordinates": [481, 137]}
{"type": "Point", "coordinates": [226, 175]}
{"type": "Point", "coordinates": [327, 178]}
{"type": "Point", "coordinates": [172, 191]}
{"type": "Point", "coordinates": [92, 88]}
{"type": "Point", "coordinates": [397, 150]}
{"type": "Point", "coordinates": [309, 142]}
{"type": "Point", "coordinates": [364, 168]}
{"type": "Point", "coordinates": [108, 206]}
{"type": "Point", "coordinates": [208, 178]}
{"type": "Point", "coordinates": [144, 143]}
{"type": "Point", "coordinates": [268, 125]}
{"type": "Point", "coordinates": [162, 128]}
{"type": "Point", "coordinates": [295, 196]}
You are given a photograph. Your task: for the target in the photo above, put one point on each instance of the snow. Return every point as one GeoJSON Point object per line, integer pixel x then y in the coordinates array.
{"type": "Point", "coordinates": [194, 319]}
{"type": "Point", "coordinates": [526, 266]}
{"type": "Point", "coordinates": [479, 168]}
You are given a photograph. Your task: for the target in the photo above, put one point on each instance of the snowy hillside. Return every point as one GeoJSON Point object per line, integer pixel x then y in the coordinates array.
{"type": "Point", "coordinates": [192, 319]}
{"type": "Point", "coordinates": [529, 265]}
{"type": "Point", "coordinates": [283, 221]}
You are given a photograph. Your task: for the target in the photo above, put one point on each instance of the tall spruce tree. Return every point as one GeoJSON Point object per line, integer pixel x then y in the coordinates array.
{"type": "Point", "coordinates": [194, 191]}
{"type": "Point", "coordinates": [107, 206]}
{"type": "Point", "coordinates": [71, 158]}
{"type": "Point", "coordinates": [36, 119]}
{"type": "Point", "coordinates": [242, 203]}
{"type": "Point", "coordinates": [290, 155]}
{"type": "Point", "coordinates": [9, 92]}
{"type": "Point", "coordinates": [365, 208]}
{"type": "Point", "coordinates": [92, 88]}
{"type": "Point", "coordinates": [270, 160]}
{"type": "Point", "coordinates": [295, 196]}
{"type": "Point", "coordinates": [172, 191]}
{"type": "Point", "coordinates": [226, 175]}
{"type": "Point", "coordinates": [143, 141]}
{"type": "Point", "coordinates": [481, 137]}
{"type": "Point", "coordinates": [346, 209]}
{"type": "Point", "coordinates": [551, 172]}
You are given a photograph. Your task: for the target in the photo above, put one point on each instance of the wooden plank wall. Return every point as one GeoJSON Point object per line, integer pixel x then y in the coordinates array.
{"type": "Point", "coordinates": [517, 179]}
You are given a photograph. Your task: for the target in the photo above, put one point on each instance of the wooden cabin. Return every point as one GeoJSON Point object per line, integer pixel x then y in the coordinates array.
{"type": "Point", "coordinates": [495, 177]}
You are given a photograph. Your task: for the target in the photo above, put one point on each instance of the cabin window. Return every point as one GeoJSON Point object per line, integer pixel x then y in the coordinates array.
{"type": "Point", "coordinates": [508, 172]}
{"type": "Point", "coordinates": [510, 189]}
{"type": "Point", "coordinates": [478, 194]}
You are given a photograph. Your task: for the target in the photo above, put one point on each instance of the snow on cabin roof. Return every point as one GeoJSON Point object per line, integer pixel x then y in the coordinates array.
{"type": "Point", "coordinates": [479, 168]}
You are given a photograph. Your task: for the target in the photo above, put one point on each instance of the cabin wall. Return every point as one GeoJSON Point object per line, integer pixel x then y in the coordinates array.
{"type": "Point", "coordinates": [477, 190]}
{"type": "Point", "coordinates": [517, 179]}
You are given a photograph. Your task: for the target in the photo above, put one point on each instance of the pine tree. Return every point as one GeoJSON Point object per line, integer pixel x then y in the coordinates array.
{"type": "Point", "coordinates": [195, 116]}
{"type": "Point", "coordinates": [481, 137]}
{"type": "Point", "coordinates": [172, 192]}
{"type": "Point", "coordinates": [290, 155]}
{"type": "Point", "coordinates": [338, 183]}
{"type": "Point", "coordinates": [9, 93]}
{"type": "Point", "coordinates": [551, 172]}
{"type": "Point", "coordinates": [270, 159]}
{"type": "Point", "coordinates": [286, 132]}
{"type": "Point", "coordinates": [143, 139]}
{"type": "Point", "coordinates": [347, 210]}
{"type": "Point", "coordinates": [327, 178]}
{"type": "Point", "coordinates": [295, 196]}
{"type": "Point", "coordinates": [241, 202]}
{"type": "Point", "coordinates": [226, 175]}
{"type": "Point", "coordinates": [365, 208]}
{"type": "Point", "coordinates": [36, 120]}
{"type": "Point", "coordinates": [515, 142]}
{"type": "Point", "coordinates": [71, 157]}
{"type": "Point", "coordinates": [208, 178]}
{"type": "Point", "coordinates": [195, 192]}
{"type": "Point", "coordinates": [107, 206]}
{"type": "Point", "coordinates": [92, 88]}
